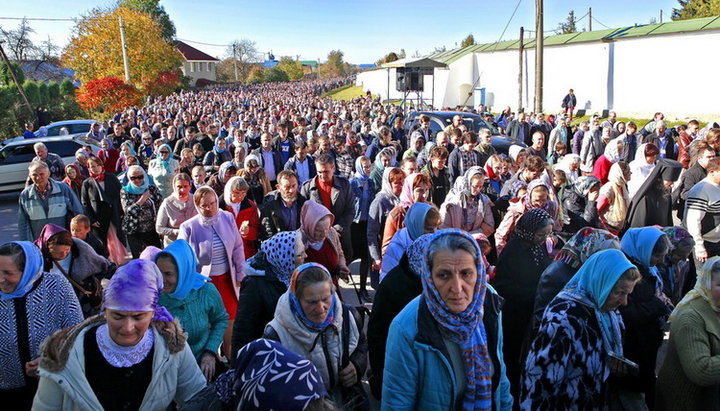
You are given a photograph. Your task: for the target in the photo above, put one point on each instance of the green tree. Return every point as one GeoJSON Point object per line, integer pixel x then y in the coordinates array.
{"type": "Point", "coordinates": [275, 74]}
{"type": "Point", "coordinates": [6, 77]}
{"type": "Point", "coordinates": [568, 26]}
{"type": "Point", "coordinates": [291, 67]}
{"type": "Point", "coordinates": [692, 9]}
{"type": "Point", "coordinates": [468, 41]}
{"type": "Point", "coordinates": [334, 66]}
{"type": "Point", "coordinates": [44, 95]}
{"type": "Point", "coordinates": [67, 88]}
{"type": "Point", "coordinates": [32, 92]}
{"type": "Point", "coordinates": [53, 91]}
{"type": "Point", "coordinates": [157, 12]}
{"type": "Point", "coordinates": [257, 75]}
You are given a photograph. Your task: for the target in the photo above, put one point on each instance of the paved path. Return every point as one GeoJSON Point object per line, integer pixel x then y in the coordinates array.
{"type": "Point", "coordinates": [8, 216]}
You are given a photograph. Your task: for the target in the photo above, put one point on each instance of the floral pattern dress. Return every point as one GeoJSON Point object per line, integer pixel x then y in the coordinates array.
{"type": "Point", "coordinates": [140, 218]}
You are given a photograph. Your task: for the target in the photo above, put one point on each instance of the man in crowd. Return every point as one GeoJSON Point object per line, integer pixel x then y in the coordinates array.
{"type": "Point", "coordinates": [519, 129]}
{"type": "Point", "coordinates": [696, 173]}
{"type": "Point", "coordinates": [54, 162]}
{"type": "Point", "coordinates": [270, 159]}
{"type": "Point", "coordinates": [283, 143]}
{"type": "Point", "coordinates": [439, 176]}
{"type": "Point", "coordinates": [280, 211]}
{"type": "Point", "coordinates": [702, 213]}
{"type": "Point", "coordinates": [484, 146]}
{"type": "Point", "coordinates": [537, 148]}
{"type": "Point", "coordinates": [384, 140]}
{"type": "Point", "coordinates": [464, 156]}
{"type": "Point", "coordinates": [45, 201]}
{"type": "Point", "coordinates": [569, 103]}
{"type": "Point", "coordinates": [663, 139]}
{"type": "Point", "coordinates": [302, 164]}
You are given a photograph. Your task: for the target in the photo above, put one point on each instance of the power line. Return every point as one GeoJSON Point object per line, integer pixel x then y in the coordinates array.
{"type": "Point", "coordinates": [600, 23]}
{"type": "Point", "coordinates": [206, 44]}
{"type": "Point", "coordinates": [508, 23]}
{"type": "Point", "coordinates": [36, 19]}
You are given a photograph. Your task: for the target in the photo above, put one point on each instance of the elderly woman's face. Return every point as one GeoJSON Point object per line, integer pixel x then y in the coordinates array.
{"type": "Point", "coordinates": [237, 196]}
{"type": "Point", "coordinates": [321, 229]}
{"type": "Point", "coordinates": [127, 328]}
{"type": "Point", "coordinates": [169, 271]}
{"type": "Point", "coordinates": [454, 274]}
{"type": "Point", "coordinates": [137, 177]}
{"type": "Point", "coordinates": [164, 153]}
{"type": "Point", "coordinates": [618, 296]}
{"type": "Point", "coordinates": [316, 300]}
{"type": "Point", "coordinates": [10, 275]}
{"type": "Point", "coordinates": [208, 205]}
{"type": "Point", "coordinates": [542, 234]}
{"type": "Point", "coordinates": [58, 252]}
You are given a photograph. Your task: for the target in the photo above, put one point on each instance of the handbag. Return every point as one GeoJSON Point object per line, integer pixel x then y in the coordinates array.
{"type": "Point", "coordinates": [90, 289]}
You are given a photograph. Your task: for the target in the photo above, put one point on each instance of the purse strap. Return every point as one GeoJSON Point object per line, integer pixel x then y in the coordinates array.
{"type": "Point", "coordinates": [74, 283]}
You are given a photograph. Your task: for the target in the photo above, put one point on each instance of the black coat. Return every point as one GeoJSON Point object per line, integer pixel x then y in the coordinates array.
{"type": "Point", "coordinates": [271, 218]}
{"type": "Point", "coordinates": [670, 151]}
{"type": "Point", "coordinates": [396, 290]}
{"type": "Point", "coordinates": [552, 281]}
{"type": "Point", "coordinates": [258, 298]}
{"type": "Point", "coordinates": [103, 207]}
{"type": "Point", "coordinates": [693, 175]}
{"type": "Point", "coordinates": [277, 159]}
{"type": "Point", "coordinates": [579, 212]}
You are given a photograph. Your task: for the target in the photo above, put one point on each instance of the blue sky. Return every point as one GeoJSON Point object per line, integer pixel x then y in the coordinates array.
{"type": "Point", "coordinates": [363, 30]}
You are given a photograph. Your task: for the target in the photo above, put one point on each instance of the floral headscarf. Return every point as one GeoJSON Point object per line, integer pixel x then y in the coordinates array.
{"type": "Point", "coordinates": [136, 287]}
{"type": "Point", "coordinates": [465, 328]}
{"type": "Point", "coordinates": [612, 150]}
{"type": "Point", "coordinates": [584, 184]}
{"type": "Point", "coordinates": [585, 243]}
{"type": "Point", "coordinates": [702, 288]}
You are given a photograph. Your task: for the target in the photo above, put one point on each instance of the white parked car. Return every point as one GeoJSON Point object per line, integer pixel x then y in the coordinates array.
{"type": "Point", "coordinates": [16, 155]}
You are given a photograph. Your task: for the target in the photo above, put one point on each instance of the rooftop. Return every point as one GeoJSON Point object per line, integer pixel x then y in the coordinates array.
{"type": "Point", "coordinates": [191, 53]}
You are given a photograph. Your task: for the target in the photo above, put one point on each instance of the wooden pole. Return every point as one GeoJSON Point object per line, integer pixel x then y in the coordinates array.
{"type": "Point", "coordinates": [590, 19]}
{"type": "Point", "coordinates": [520, 69]}
{"type": "Point", "coordinates": [538, 56]}
{"type": "Point", "coordinates": [126, 62]}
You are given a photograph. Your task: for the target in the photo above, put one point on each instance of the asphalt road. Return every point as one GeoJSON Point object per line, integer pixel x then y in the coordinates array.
{"type": "Point", "coordinates": [8, 216]}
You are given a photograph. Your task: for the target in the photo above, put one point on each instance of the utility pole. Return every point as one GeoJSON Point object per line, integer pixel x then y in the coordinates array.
{"type": "Point", "coordinates": [590, 19]}
{"type": "Point", "coordinates": [520, 69]}
{"type": "Point", "coordinates": [661, 16]}
{"type": "Point", "coordinates": [539, 40]}
{"type": "Point", "coordinates": [235, 60]}
{"type": "Point", "coordinates": [126, 63]}
{"type": "Point", "coordinates": [33, 114]}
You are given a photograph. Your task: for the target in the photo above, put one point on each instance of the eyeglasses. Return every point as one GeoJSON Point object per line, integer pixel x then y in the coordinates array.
{"type": "Point", "coordinates": [164, 152]}
{"type": "Point", "coordinates": [137, 178]}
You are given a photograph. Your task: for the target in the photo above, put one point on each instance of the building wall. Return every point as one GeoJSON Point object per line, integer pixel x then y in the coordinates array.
{"type": "Point", "coordinates": [200, 70]}
{"type": "Point", "coordinates": [635, 77]}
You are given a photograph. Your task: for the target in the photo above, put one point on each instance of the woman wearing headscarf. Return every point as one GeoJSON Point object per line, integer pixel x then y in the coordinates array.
{"type": "Point", "coordinates": [267, 277]}
{"type": "Point", "coordinates": [311, 321]}
{"type": "Point", "coordinates": [517, 273]}
{"type": "Point", "coordinates": [570, 164]}
{"type": "Point", "coordinates": [133, 356]}
{"type": "Point", "coordinates": [194, 302]}
{"type": "Point", "coordinates": [364, 190]}
{"type": "Point", "coordinates": [175, 209]}
{"type": "Point", "coordinates": [613, 153]}
{"type": "Point", "coordinates": [689, 378]}
{"type": "Point", "coordinates": [33, 305]}
{"type": "Point", "coordinates": [77, 261]}
{"type": "Point", "coordinates": [645, 314]}
{"type": "Point", "coordinates": [416, 188]}
{"type": "Point", "coordinates": [81, 159]}
{"type": "Point", "coordinates": [517, 154]}
{"type": "Point", "coordinates": [74, 179]}
{"type": "Point", "coordinates": [218, 180]}
{"type": "Point", "coordinates": [467, 208]}
{"type": "Point", "coordinates": [108, 155]}
{"type": "Point", "coordinates": [614, 200]}
{"type": "Point", "coordinates": [255, 176]}
{"type": "Point", "coordinates": [244, 210]}
{"type": "Point", "coordinates": [579, 204]}
{"type": "Point", "coordinates": [322, 242]}
{"type": "Point", "coordinates": [537, 196]}
{"type": "Point", "coordinates": [652, 204]}
{"type": "Point", "coordinates": [641, 167]}
{"type": "Point", "coordinates": [421, 218]}
{"type": "Point", "coordinates": [580, 338]}
{"type": "Point", "coordinates": [140, 202]}
{"type": "Point", "coordinates": [100, 197]}
{"type": "Point", "coordinates": [162, 169]}
{"type": "Point", "coordinates": [214, 238]}
{"type": "Point", "coordinates": [568, 261]}
{"type": "Point", "coordinates": [380, 207]}
{"type": "Point", "coordinates": [444, 349]}
{"type": "Point", "coordinates": [383, 161]}
{"type": "Point", "coordinates": [126, 150]}
{"type": "Point", "coordinates": [218, 155]}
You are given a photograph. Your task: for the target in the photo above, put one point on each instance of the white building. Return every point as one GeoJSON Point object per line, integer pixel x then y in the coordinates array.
{"type": "Point", "coordinates": [636, 71]}
{"type": "Point", "coordinates": [199, 66]}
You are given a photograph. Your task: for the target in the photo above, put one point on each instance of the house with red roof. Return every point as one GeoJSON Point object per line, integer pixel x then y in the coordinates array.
{"type": "Point", "coordinates": [198, 65]}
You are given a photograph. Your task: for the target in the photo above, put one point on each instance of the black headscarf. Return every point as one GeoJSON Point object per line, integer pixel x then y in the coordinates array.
{"type": "Point", "coordinates": [652, 204]}
{"type": "Point", "coordinates": [524, 233]}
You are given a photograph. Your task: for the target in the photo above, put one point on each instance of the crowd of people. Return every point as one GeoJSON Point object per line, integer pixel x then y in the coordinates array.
{"type": "Point", "coordinates": [196, 260]}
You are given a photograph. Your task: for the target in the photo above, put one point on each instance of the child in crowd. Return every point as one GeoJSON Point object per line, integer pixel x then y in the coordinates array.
{"type": "Point", "coordinates": [80, 229]}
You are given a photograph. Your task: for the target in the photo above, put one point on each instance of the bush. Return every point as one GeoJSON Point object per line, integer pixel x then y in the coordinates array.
{"type": "Point", "coordinates": [276, 74]}
{"type": "Point", "coordinates": [67, 88]}
{"type": "Point", "coordinates": [44, 95]}
{"type": "Point", "coordinates": [53, 91]}
{"type": "Point", "coordinates": [108, 94]}
{"type": "Point", "coordinates": [6, 78]}
{"type": "Point", "coordinates": [32, 92]}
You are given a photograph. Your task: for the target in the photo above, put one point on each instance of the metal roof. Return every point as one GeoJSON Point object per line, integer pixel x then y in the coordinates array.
{"type": "Point", "coordinates": [416, 63]}
{"type": "Point", "coordinates": [680, 26]}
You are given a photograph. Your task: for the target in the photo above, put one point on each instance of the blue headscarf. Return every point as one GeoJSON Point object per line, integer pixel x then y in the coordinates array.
{"type": "Point", "coordinates": [359, 172]}
{"type": "Point", "coordinates": [638, 244]}
{"type": "Point", "coordinates": [465, 328]}
{"type": "Point", "coordinates": [295, 303]}
{"type": "Point", "coordinates": [188, 278]}
{"type": "Point", "coordinates": [159, 158]}
{"type": "Point", "coordinates": [31, 272]}
{"type": "Point", "coordinates": [130, 146]}
{"type": "Point", "coordinates": [216, 147]}
{"type": "Point", "coordinates": [592, 285]}
{"type": "Point", "coordinates": [132, 188]}
{"type": "Point", "coordinates": [415, 219]}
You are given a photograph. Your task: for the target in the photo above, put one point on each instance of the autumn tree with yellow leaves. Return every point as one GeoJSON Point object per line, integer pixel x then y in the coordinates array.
{"type": "Point", "coordinates": [95, 51]}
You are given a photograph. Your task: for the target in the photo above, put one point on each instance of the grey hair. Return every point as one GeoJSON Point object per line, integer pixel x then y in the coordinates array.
{"type": "Point", "coordinates": [451, 243]}
{"type": "Point", "coordinates": [39, 145]}
{"type": "Point", "coordinates": [239, 184]}
{"type": "Point", "coordinates": [38, 163]}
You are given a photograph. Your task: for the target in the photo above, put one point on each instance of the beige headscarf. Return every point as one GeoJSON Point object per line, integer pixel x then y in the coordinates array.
{"type": "Point", "coordinates": [701, 289]}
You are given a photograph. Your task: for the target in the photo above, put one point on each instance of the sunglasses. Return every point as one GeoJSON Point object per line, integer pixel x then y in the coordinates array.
{"type": "Point", "coordinates": [137, 178]}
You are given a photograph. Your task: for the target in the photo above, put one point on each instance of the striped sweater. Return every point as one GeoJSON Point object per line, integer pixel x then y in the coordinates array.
{"type": "Point", "coordinates": [702, 213]}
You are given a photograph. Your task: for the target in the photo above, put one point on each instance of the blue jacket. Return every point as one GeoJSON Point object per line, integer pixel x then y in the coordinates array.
{"type": "Point", "coordinates": [60, 205]}
{"type": "Point", "coordinates": [418, 372]}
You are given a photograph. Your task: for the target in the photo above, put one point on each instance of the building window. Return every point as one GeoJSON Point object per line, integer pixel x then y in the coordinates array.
{"type": "Point", "coordinates": [210, 66]}
{"type": "Point", "coordinates": [202, 66]}
{"type": "Point", "coordinates": [193, 67]}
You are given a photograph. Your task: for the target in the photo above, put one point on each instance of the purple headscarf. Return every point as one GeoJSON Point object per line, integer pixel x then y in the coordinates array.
{"type": "Point", "coordinates": [135, 287]}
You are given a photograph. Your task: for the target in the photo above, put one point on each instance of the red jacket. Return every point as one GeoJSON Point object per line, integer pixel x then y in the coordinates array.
{"type": "Point", "coordinates": [251, 215]}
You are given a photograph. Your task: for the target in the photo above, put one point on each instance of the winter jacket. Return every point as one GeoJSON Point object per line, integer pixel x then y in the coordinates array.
{"type": "Point", "coordinates": [394, 252]}
{"type": "Point", "coordinates": [176, 375]}
{"type": "Point", "coordinates": [202, 316]}
{"type": "Point", "coordinates": [455, 165]}
{"type": "Point", "coordinates": [259, 293]}
{"type": "Point", "coordinates": [418, 371]}
{"type": "Point", "coordinates": [579, 212]}
{"type": "Point", "coordinates": [513, 131]}
{"type": "Point", "coordinates": [324, 349]}
{"type": "Point", "coordinates": [341, 197]}
{"type": "Point", "coordinates": [552, 281]}
{"type": "Point", "coordinates": [60, 205]}
{"type": "Point", "coordinates": [396, 290]}
{"type": "Point", "coordinates": [380, 207]}
{"type": "Point", "coordinates": [451, 214]}
{"type": "Point", "coordinates": [271, 216]}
